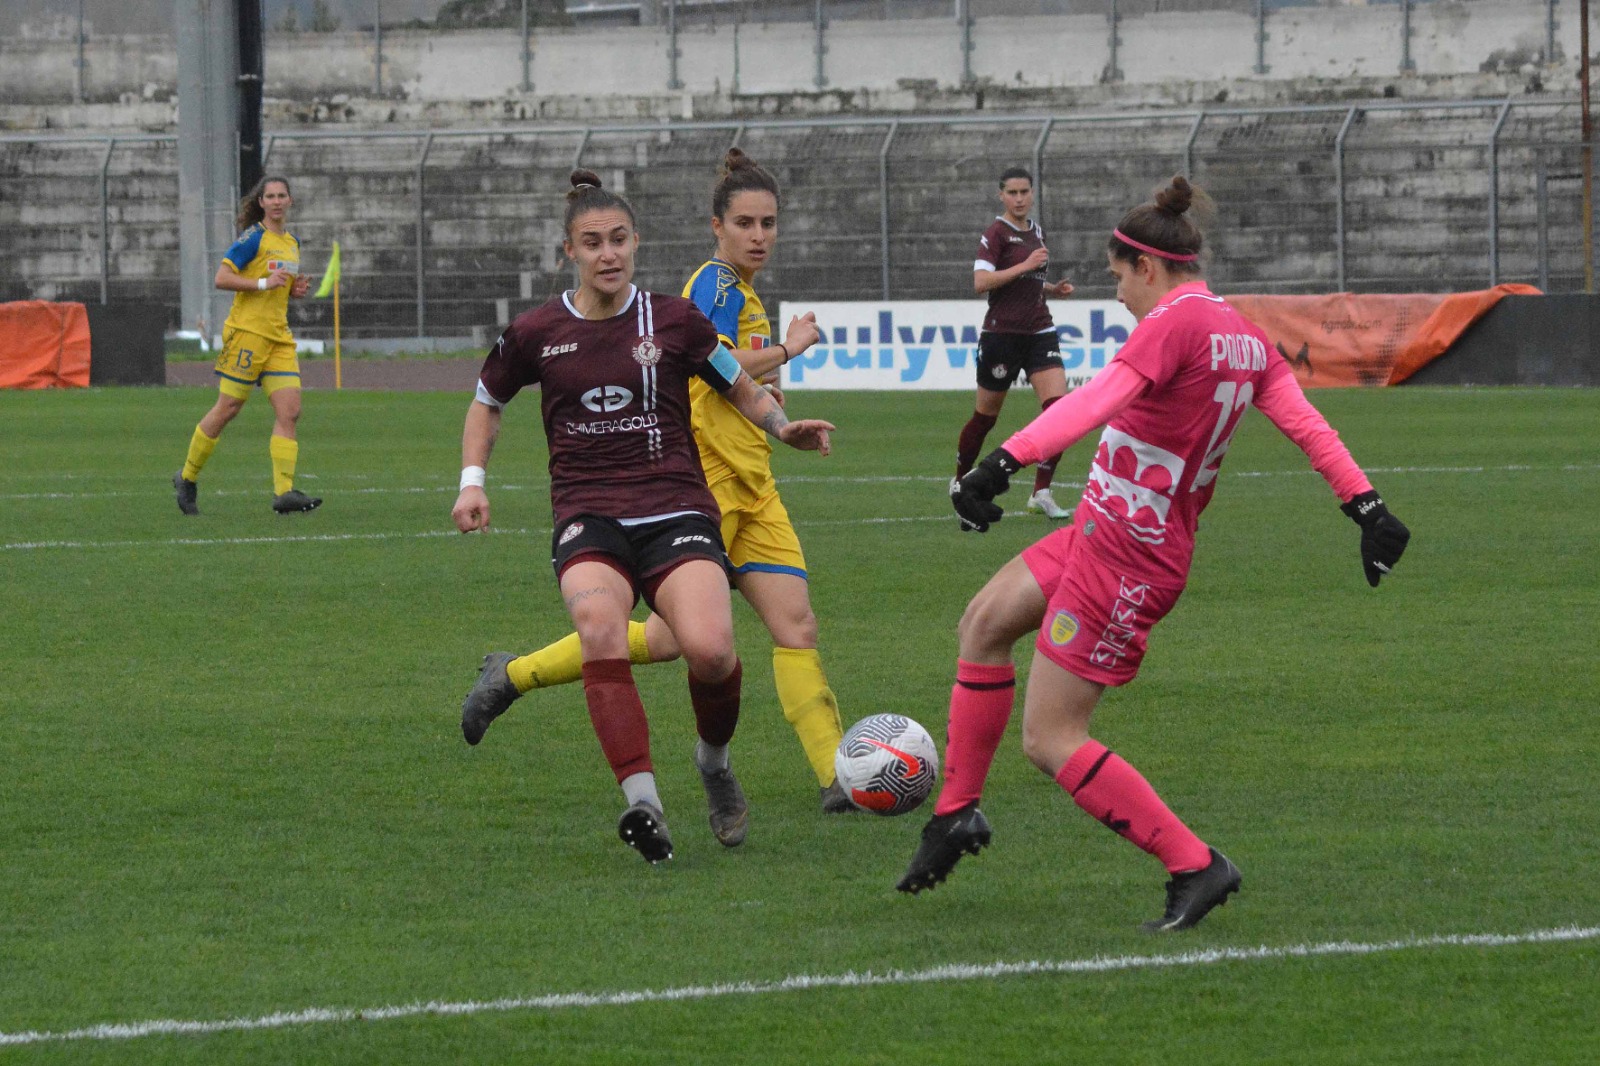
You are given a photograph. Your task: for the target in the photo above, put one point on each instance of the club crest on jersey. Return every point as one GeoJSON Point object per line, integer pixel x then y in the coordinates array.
{"type": "Point", "coordinates": [1063, 627]}
{"type": "Point", "coordinates": [645, 353]}
{"type": "Point", "coordinates": [571, 531]}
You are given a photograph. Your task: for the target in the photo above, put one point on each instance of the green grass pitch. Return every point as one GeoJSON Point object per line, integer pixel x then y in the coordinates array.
{"type": "Point", "coordinates": [232, 781]}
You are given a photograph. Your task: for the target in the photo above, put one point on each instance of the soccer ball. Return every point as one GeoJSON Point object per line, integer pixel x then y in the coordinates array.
{"type": "Point", "coordinates": [886, 764]}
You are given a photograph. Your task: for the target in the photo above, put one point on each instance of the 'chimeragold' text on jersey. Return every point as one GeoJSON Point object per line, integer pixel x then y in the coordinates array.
{"type": "Point", "coordinates": [255, 255]}
{"type": "Point", "coordinates": [730, 445]}
{"type": "Point", "coordinates": [1157, 461]}
{"type": "Point", "coordinates": [1017, 306]}
{"type": "Point", "coordinates": [614, 393]}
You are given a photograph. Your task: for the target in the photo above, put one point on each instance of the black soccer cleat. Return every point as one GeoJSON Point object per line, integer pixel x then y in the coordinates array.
{"type": "Point", "coordinates": [729, 813]}
{"type": "Point", "coordinates": [294, 502]}
{"type": "Point", "coordinates": [187, 492]}
{"type": "Point", "coordinates": [945, 839]}
{"type": "Point", "coordinates": [489, 698]}
{"type": "Point", "coordinates": [644, 828]}
{"type": "Point", "coordinates": [1191, 896]}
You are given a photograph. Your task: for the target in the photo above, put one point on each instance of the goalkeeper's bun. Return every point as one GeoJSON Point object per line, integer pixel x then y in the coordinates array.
{"type": "Point", "coordinates": [1168, 224]}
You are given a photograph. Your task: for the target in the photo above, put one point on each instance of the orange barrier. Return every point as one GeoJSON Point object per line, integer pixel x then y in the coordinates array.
{"type": "Point", "coordinates": [1355, 339]}
{"type": "Point", "coordinates": [43, 345]}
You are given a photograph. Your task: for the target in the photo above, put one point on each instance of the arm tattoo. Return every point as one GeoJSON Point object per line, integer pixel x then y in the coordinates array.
{"type": "Point", "coordinates": [767, 413]}
{"type": "Point", "coordinates": [774, 419]}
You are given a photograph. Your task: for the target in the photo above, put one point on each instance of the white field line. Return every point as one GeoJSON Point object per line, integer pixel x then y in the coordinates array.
{"type": "Point", "coordinates": [800, 479]}
{"type": "Point", "coordinates": [315, 538]}
{"type": "Point", "coordinates": [799, 983]}
{"type": "Point", "coordinates": [36, 545]}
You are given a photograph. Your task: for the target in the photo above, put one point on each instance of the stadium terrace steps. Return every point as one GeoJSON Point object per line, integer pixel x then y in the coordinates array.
{"type": "Point", "coordinates": [1416, 190]}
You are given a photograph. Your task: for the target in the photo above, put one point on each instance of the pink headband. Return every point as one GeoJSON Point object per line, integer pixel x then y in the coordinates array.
{"type": "Point", "coordinates": [1131, 243]}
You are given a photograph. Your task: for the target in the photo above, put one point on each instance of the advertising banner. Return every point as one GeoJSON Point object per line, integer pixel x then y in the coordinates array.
{"type": "Point", "coordinates": [933, 344]}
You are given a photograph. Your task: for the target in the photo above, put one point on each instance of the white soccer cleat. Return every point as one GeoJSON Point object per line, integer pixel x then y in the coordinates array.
{"type": "Point", "coordinates": [1043, 501]}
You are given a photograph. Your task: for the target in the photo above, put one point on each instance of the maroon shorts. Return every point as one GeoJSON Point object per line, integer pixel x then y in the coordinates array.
{"type": "Point", "coordinates": [1097, 621]}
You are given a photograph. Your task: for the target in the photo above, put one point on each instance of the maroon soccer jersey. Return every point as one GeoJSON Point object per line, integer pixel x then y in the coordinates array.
{"type": "Point", "coordinates": [1018, 306]}
{"type": "Point", "coordinates": [615, 400]}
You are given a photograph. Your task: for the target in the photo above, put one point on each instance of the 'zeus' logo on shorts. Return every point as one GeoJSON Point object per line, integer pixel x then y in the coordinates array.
{"type": "Point", "coordinates": [606, 398]}
{"type": "Point", "coordinates": [695, 539]}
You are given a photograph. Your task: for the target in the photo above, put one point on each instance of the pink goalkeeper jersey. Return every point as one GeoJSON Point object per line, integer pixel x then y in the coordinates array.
{"type": "Point", "coordinates": [1157, 462]}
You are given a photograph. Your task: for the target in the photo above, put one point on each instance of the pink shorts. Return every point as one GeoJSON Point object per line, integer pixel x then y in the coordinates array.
{"type": "Point", "coordinates": [1097, 621]}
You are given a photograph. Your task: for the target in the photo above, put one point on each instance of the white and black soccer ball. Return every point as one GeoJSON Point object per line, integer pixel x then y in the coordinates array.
{"type": "Point", "coordinates": [887, 764]}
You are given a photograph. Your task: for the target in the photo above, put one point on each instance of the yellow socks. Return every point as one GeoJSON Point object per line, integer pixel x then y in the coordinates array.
{"type": "Point", "coordinates": [809, 705]}
{"type": "Point", "coordinates": [285, 453]}
{"type": "Point", "coordinates": [561, 663]}
{"type": "Point", "coordinates": [200, 449]}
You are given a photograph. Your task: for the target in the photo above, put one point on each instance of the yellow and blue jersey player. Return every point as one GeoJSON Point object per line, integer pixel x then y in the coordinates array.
{"type": "Point", "coordinates": [262, 270]}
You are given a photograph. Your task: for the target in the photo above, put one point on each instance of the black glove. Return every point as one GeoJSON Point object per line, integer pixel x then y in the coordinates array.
{"type": "Point", "coordinates": [1383, 536]}
{"type": "Point", "coordinates": [973, 496]}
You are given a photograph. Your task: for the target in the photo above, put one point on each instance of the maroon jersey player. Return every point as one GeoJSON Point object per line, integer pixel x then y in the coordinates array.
{"type": "Point", "coordinates": [633, 516]}
{"type": "Point", "coordinates": [1170, 402]}
{"type": "Point", "coordinates": [1018, 335]}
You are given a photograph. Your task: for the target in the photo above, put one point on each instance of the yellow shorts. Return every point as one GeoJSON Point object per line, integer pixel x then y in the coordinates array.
{"type": "Point", "coordinates": [249, 359]}
{"type": "Point", "coordinates": [757, 531]}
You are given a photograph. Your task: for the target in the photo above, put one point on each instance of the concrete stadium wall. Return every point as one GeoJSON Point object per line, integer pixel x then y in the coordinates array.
{"type": "Point", "coordinates": [1009, 53]}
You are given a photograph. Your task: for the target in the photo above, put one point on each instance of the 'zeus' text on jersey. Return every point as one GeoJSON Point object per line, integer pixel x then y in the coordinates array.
{"type": "Point", "coordinates": [614, 394]}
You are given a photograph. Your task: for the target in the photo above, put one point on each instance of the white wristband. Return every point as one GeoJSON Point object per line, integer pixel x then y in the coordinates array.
{"type": "Point", "coordinates": [472, 475]}
{"type": "Point", "coordinates": [261, 283]}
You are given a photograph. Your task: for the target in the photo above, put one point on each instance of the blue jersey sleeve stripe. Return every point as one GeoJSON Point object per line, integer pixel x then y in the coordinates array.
{"type": "Point", "coordinates": [716, 293]}
{"type": "Point", "coordinates": [246, 248]}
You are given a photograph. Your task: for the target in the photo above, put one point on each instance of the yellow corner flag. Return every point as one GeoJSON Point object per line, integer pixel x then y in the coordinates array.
{"type": "Point", "coordinates": [330, 279]}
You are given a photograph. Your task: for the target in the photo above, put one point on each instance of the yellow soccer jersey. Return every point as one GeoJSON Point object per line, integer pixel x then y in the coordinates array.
{"type": "Point", "coordinates": [257, 253]}
{"type": "Point", "coordinates": [729, 445]}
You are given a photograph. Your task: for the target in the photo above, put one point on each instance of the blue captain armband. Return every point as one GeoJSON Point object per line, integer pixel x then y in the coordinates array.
{"type": "Point", "coordinates": [726, 366]}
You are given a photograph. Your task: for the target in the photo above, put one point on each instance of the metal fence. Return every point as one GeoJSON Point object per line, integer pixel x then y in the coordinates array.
{"type": "Point", "coordinates": [449, 232]}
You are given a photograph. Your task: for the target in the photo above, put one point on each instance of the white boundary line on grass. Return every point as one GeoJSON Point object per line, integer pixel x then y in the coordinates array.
{"type": "Point", "coordinates": [799, 983]}
{"type": "Point", "coordinates": [312, 538]}
{"type": "Point", "coordinates": [796, 479]}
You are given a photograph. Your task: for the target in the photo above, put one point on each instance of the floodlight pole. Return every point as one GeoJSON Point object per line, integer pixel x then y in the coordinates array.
{"type": "Point", "coordinates": [252, 75]}
{"type": "Point", "coordinates": [1588, 148]}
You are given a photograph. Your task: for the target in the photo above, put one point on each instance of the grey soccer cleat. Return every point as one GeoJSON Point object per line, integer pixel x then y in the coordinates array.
{"type": "Point", "coordinates": [187, 492]}
{"type": "Point", "coordinates": [1191, 896]}
{"type": "Point", "coordinates": [489, 698]}
{"type": "Point", "coordinates": [836, 801]}
{"type": "Point", "coordinates": [945, 839]}
{"type": "Point", "coordinates": [643, 828]}
{"type": "Point", "coordinates": [294, 502]}
{"type": "Point", "coordinates": [730, 814]}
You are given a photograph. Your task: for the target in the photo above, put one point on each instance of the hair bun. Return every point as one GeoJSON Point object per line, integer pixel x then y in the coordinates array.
{"type": "Point", "coordinates": [581, 178]}
{"type": "Point", "coordinates": [736, 160]}
{"type": "Point", "coordinates": [1177, 196]}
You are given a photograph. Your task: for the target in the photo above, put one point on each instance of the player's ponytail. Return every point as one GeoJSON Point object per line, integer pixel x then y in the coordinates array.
{"type": "Point", "coordinates": [1164, 228]}
{"type": "Point", "coordinates": [740, 174]}
{"type": "Point", "coordinates": [250, 210]}
{"type": "Point", "coordinates": [587, 195]}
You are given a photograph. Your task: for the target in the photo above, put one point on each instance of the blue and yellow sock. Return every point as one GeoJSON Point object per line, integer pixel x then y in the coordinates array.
{"type": "Point", "coordinates": [200, 449]}
{"type": "Point", "coordinates": [809, 705]}
{"type": "Point", "coordinates": [285, 454]}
